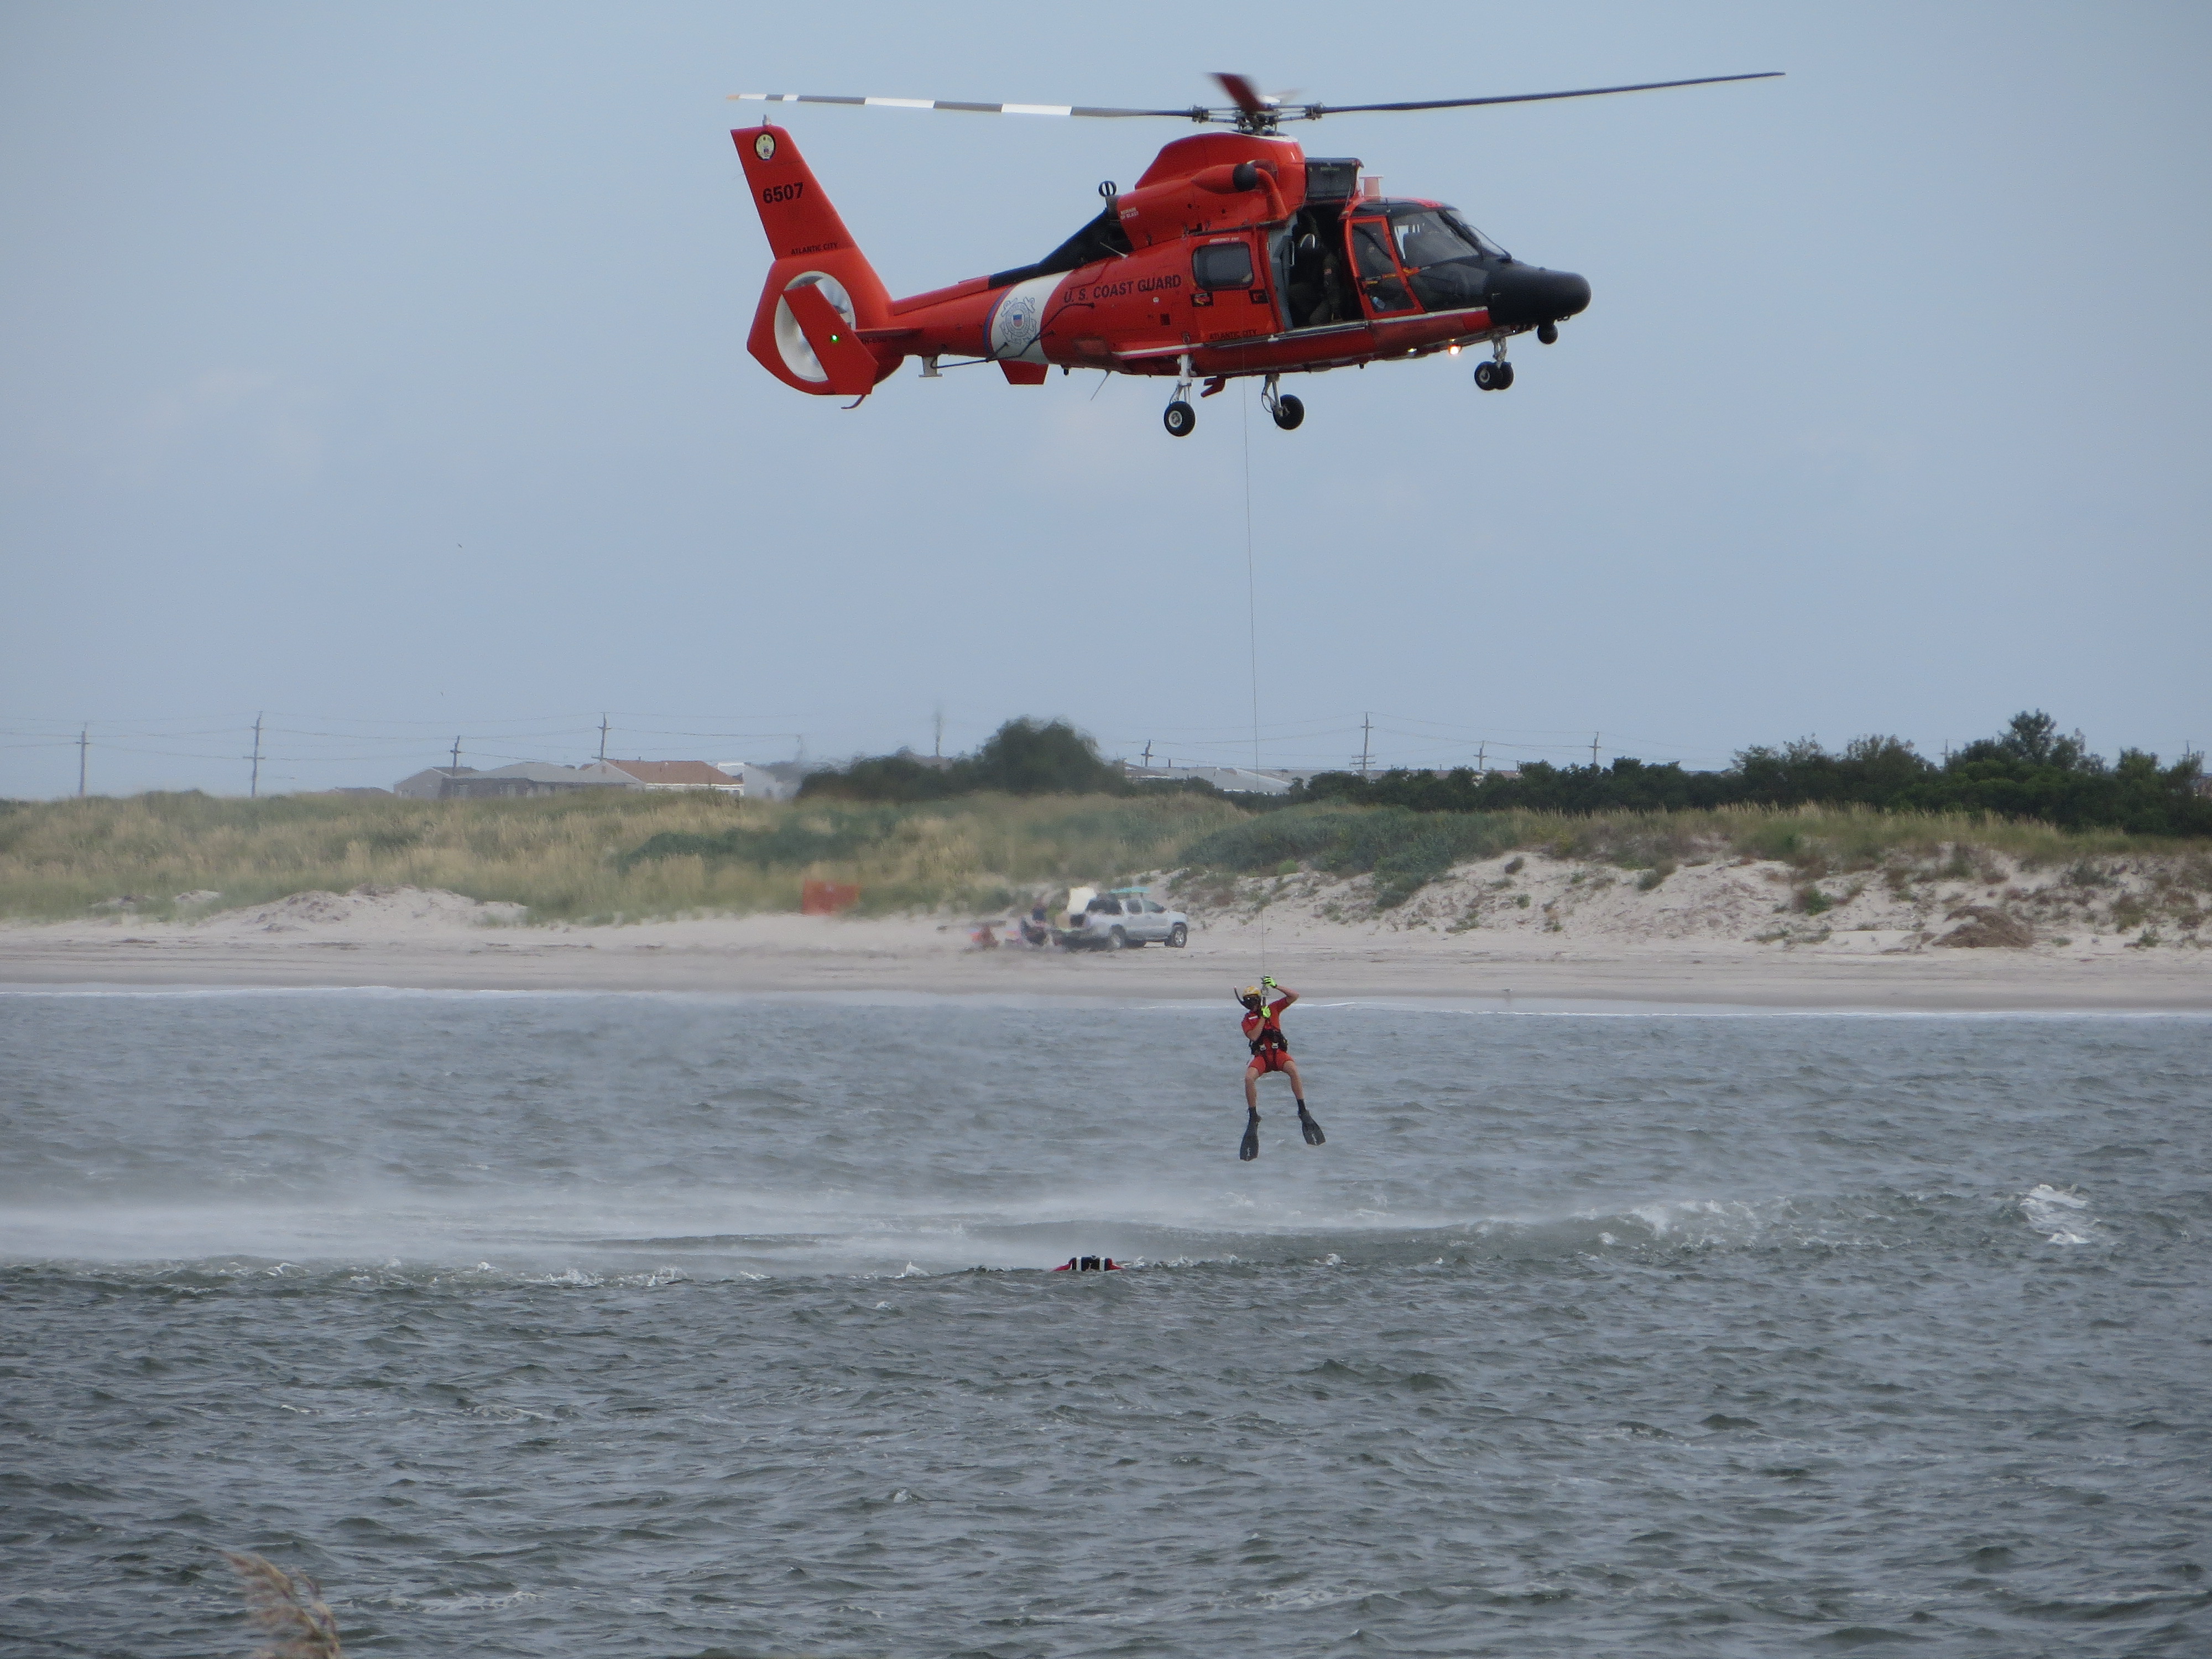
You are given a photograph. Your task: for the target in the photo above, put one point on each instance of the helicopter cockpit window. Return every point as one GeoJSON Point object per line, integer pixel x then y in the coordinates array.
{"type": "Point", "coordinates": [1447, 261]}
{"type": "Point", "coordinates": [1427, 237]}
{"type": "Point", "coordinates": [1222, 265]}
{"type": "Point", "coordinates": [1490, 248]}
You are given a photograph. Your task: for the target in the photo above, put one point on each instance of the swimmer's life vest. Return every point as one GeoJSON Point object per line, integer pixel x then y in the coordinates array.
{"type": "Point", "coordinates": [1089, 1264]}
{"type": "Point", "coordinates": [1264, 1030]}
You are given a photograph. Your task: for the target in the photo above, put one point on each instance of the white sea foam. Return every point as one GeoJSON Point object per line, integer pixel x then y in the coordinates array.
{"type": "Point", "coordinates": [2061, 1214]}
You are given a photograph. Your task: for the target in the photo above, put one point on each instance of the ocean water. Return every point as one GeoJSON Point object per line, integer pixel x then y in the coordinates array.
{"type": "Point", "coordinates": [584, 1325]}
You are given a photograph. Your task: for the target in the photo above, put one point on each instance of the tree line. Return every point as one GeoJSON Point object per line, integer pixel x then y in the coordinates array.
{"type": "Point", "coordinates": [2029, 770]}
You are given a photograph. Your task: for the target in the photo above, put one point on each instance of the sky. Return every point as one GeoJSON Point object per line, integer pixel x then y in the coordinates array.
{"type": "Point", "coordinates": [380, 371]}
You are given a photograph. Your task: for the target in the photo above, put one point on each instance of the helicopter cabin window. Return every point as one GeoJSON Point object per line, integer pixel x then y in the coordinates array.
{"type": "Point", "coordinates": [1222, 265]}
{"type": "Point", "coordinates": [1378, 268]}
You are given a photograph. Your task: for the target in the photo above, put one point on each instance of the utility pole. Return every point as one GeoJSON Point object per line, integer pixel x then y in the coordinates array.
{"type": "Point", "coordinates": [83, 742]}
{"type": "Point", "coordinates": [1592, 750]}
{"type": "Point", "coordinates": [603, 738]}
{"type": "Point", "coordinates": [253, 790]}
{"type": "Point", "coordinates": [1148, 754]}
{"type": "Point", "coordinates": [457, 754]}
{"type": "Point", "coordinates": [1366, 731]}
{"type": "Point", "coordinates": [1481, 758]}
{"type": "Point", "coordinates": [937, 750]}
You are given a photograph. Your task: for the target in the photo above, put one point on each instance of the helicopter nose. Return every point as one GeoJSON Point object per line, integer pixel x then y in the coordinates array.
{"type": "Point", "coordinates": [1524, 295]}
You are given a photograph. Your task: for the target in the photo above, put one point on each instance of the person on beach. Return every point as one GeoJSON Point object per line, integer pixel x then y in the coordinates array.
{"type": "Point", "coordinates": [1271, 1052]}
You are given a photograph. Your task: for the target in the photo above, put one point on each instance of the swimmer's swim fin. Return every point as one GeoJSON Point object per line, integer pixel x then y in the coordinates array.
{"type": "Point", "coordinates": [1314, 1136]}
{"type": "Point", "coordinates": [1249, 1148]}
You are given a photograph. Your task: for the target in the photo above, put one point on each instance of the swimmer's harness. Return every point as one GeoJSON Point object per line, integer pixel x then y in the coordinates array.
{"type": "Point", "coordinates": [1271, 1031]}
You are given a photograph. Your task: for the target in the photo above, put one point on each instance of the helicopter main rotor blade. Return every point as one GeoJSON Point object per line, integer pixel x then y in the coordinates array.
{"type": "Point", "coordinates": [1315, 112]}
{"type": "Point", "coordinates": [1242, 93]}
{"type": "Point", "coordinates": [1191, 112]}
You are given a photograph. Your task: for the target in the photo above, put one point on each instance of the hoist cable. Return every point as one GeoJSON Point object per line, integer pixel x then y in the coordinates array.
{"type": "Point", "coordinates": [1252, 617]}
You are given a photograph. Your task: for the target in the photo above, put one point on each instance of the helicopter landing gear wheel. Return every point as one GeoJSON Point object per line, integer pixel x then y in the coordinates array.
{"type": "Point", "coordinates": [1289, 411]}
{"type": "Point", "coordinates": [1181, 419]}
{"type": "Point", "coordinates": [1497, 374]}
{"type": "Point", "coordinates": [1548, 333]}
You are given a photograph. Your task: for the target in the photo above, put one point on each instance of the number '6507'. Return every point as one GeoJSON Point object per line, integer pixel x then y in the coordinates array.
{"type": "Point", "coordinates": [784, 192]}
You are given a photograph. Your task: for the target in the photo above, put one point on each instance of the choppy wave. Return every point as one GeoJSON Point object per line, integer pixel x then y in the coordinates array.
{"type": "Point", "coordinates": [2061, 1214]}
{"type": "Point", "coordinates": [488, 1248]}
{"type": "Point", "coordinates": [564, 1327]}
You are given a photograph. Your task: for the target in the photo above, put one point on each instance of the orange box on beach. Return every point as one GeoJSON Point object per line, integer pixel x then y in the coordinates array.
{"type": "Point", "coordinates": [826, 898]}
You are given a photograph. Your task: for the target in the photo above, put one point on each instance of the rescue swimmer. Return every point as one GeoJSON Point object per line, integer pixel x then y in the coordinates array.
{"type": "Point", "coordinates": [1271, 1052]}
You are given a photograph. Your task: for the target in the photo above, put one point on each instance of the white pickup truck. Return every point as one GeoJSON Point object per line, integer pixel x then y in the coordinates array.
{"type": "Point", "coordinates": [1116, 920]}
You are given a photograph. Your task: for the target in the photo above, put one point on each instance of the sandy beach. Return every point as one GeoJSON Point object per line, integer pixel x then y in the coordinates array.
{"type": "Point", "coordinates": [1546, 932]}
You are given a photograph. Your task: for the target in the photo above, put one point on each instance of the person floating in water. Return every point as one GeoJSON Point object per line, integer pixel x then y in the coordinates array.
{"type": "Point", "coordinates": [1271, 1052]}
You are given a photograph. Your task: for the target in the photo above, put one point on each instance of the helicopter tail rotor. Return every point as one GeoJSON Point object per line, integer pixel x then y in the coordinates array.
{"type": "Point", "coordinates": [822, 297]}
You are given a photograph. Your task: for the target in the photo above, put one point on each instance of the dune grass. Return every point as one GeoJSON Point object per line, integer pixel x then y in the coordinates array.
{"type": "Point", "coordinates": [1404, 850]}
{"type": "Point", "coordinates": [598, 856]}
{"type": "Point", "coordinates": [613, 855]}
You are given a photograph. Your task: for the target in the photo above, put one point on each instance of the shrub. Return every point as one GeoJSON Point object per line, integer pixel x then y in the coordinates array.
{"type": "Point", "coordinates": [1982, 928]}
{"type": "Point", "coordinates": [1021, 757]}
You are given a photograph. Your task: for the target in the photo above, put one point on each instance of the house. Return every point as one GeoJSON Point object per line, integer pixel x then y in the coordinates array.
{"type": "Point", "coordinates": [429, 784]}
{"type": "Point", "coordinates": [681, 774]}
{"type": "Point", "coordinates": [524, 778]}
{"type": "Point", "coordinates": [774, 780]}
{"type": "Point", "coordinates": [1230, 780]}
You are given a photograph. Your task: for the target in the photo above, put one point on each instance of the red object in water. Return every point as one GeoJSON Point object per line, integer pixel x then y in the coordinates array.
{"type": "Point", "coordinates": [1089, 1264]}
{"type": "Point", "coordinates": [826, 898]}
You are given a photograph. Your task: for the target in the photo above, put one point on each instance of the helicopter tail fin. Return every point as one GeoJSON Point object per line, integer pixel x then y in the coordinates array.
{"type": "Point", "coordinates": [802, 348]}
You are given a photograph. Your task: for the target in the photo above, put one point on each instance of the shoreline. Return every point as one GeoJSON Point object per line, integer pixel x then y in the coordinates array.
{"type": "Point", "coordinates": [807, 956]}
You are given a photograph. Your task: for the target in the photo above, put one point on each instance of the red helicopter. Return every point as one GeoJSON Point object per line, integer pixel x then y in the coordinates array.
{"type": "Point", "coordinates": [1234, 255]}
